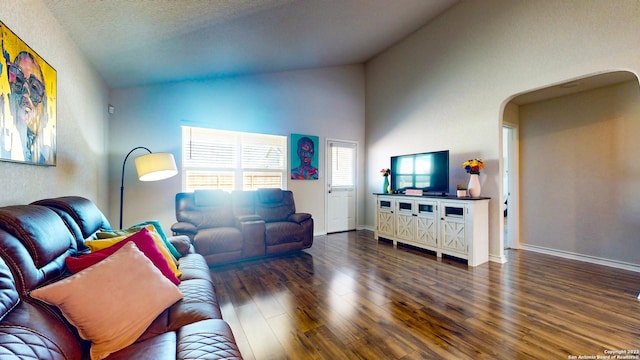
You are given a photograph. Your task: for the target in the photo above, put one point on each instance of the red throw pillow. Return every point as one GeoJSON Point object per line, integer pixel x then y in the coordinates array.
{"type": "Point", "coordinates": [143, 240]}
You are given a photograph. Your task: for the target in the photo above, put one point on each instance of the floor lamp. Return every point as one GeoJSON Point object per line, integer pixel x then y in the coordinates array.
{"type": "Point", "coordinates": [150, 167]}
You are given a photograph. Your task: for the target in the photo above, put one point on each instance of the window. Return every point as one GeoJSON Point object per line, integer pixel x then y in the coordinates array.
{"type": "Point", "coordinates": [342, 164]}
{"type": "Point", "coordinates": [230, 160]}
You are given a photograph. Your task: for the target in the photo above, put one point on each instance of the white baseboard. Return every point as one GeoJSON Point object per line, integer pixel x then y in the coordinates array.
{"type": "Point", "coordinates": [586, 258]}
{"type": "Point", "coordinates": [365, 227]}
{"type": "Point", "coordinates": [497, 259]}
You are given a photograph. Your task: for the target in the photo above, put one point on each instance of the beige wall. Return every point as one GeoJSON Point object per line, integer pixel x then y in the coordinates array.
{"type": "Point", "coordinates": [82, 109]}
{"type": "Point", "coordinates": [328, 103]}
{"type": "Point", "coordinates": [579, 174]}
{"type": "Point", "coordinates": [445, 86]}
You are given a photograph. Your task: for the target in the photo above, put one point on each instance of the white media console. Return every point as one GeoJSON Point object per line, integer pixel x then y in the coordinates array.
{"type": "Point", "coordinates": [449, 225]}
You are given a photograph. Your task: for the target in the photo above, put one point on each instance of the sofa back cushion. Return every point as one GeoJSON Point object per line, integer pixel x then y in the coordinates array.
{"type": "Point", "coordinates": [81, 215]}
{"type": "Point", "coordinates": [274, 204]}
{"type": "Point", "coordinates": [244, 202]}
{"type": "Point", "coordinates": [8, 294]}
{"type": "Point", "coordinates": [36, 240]}
{"type": "Point", "coordinates": [205, 208]}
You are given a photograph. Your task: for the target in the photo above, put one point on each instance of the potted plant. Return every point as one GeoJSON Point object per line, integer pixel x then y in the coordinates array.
{"type": "Point", "coordinates": [461, 190]}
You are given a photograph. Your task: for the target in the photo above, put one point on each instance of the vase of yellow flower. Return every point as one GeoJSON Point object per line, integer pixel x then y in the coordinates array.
{"type": "Point", "coordinates": [386, 187]}
{"type": "Point", "coordinates": [473, 167]}
{"type": "Point", "coordinates": [474, 185]}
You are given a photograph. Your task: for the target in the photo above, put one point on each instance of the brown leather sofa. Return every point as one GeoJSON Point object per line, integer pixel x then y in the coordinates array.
{"type": "Point", "coordinates": [226, 227]}
{"type": "Point", "coordinates": [34, 241]}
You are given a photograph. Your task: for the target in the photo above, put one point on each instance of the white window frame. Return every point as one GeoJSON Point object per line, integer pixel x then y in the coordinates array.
{"type": "Point", "coordinates": [230, 163]}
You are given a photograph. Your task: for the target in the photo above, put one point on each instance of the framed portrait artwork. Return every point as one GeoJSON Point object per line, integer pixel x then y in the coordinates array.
{"type": "Point", "coordinates": [304, 158]}
{"type": "Point", "coordinates": [28, 90]}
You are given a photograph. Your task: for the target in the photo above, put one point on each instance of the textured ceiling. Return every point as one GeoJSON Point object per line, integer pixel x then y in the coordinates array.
{"type": "Point", "coordinates": [139, 42]}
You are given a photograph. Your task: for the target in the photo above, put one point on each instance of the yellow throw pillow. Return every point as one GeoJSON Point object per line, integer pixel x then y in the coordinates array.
{"type": "Point", "coordinates": [114, 301]}
{"type": "Point", "coordinates": [100, 244]}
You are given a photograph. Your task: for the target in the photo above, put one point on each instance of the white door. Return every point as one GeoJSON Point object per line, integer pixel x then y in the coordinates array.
{"type": "Point", "coordinates": [341, 186]}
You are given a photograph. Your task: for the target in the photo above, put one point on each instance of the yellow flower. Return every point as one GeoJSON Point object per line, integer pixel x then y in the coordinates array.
{"type": "Point", "coordinates": [473, 166]}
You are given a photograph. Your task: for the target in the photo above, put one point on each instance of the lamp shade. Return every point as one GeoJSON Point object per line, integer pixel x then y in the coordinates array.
{"type": "Point", "coordinates": [156, 166]}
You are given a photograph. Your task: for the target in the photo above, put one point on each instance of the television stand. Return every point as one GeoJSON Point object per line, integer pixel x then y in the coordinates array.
{"type": "Point", "coordinates": [445, 224]}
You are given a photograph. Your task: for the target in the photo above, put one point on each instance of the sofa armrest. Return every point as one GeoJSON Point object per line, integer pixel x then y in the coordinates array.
{"type": "Point", "coordinates": [182, 243]}
{"type": "Point", "coordinates": [299, 217]}
{"type": "Point", "coordinates": [207, 339]}
{"type": "Point", "coordinates": [252, 237]}
{"type": "Point", "coordinates": [184, 228]}
{"type": "Point", "coordinates": [246, 219]}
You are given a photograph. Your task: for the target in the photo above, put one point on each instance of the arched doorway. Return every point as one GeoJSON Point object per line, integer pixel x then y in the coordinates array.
{"type": "Point", "coordinates": [573, 159]}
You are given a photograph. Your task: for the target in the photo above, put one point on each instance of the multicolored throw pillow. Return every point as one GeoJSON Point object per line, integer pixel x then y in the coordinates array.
{"type": "Point", "coordinates": [143, 240]}
{"type": "Point", "coordinates": [100, 244]}
{"type": "Point", "coordinates": [106, 234]}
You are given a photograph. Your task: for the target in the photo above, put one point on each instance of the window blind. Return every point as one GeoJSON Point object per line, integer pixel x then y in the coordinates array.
{"type": "Point", "coordinates": [229, 160]}
{"type": "Point", "coordinates": [342, 165]}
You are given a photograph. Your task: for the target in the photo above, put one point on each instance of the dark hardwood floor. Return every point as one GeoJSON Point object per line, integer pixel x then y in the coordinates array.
{"type": "Point", "coordinates": [351, 297]}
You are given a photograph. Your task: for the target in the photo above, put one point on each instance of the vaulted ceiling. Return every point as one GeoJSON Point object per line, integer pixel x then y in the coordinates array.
{"type": "Point", "coordinates": [140, 42]}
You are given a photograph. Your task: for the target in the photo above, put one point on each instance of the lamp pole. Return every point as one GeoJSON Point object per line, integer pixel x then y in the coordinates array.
{"type": "Point", "coordinates": [122, 179]}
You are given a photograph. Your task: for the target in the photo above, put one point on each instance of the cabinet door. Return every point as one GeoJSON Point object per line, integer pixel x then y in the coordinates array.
{"type": "Point", "coordinates": [404, 219]}
{"type": "Point", "coordinates": [454, 239]}
{"type": "Point", "coordinates": [385, 219]}
{"type": "Point", "coordinates": [426, 222]}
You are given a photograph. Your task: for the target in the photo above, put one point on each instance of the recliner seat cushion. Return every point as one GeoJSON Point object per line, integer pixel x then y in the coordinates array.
{"type": "Point", "coordinates": [194, 266]}
{"type": "Point", "coordinates": [218, 240]}
{"type": "Point", "coordinates": [25, 331]}
{"type": "Point", "coordinates": [31, 332]}
{"type": "Point", "coordinates": [199, 303]}
{"type": "Point", "coordinates": [283, 232]}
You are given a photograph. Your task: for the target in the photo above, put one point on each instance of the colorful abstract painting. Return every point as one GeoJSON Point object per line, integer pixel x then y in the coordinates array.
{"type": "Point", "coordinates": [28, 90]}
{"type": "Point", "coordinates": [304, 158]}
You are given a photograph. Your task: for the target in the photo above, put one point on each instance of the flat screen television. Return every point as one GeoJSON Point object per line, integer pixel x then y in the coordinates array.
{"type": "Point", "coordinates": [427, 171]}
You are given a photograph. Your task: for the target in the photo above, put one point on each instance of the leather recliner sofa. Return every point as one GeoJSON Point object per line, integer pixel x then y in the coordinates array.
{"type": "Point", "coordinates": [35, 239]}
{"type": "Point", "coordinates": [226, 227]}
